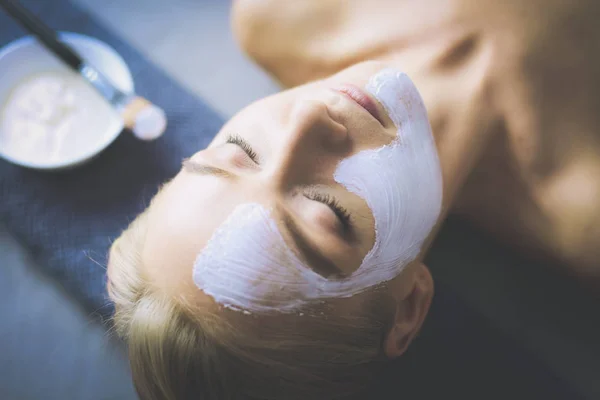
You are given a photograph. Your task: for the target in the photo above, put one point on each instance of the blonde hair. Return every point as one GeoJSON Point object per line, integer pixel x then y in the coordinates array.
{"type": "Point", "coordinates": [178, 351]}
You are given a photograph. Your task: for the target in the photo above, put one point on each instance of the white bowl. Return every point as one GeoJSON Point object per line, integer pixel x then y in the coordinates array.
{"type": "Point", "coordinates": [26, 56]}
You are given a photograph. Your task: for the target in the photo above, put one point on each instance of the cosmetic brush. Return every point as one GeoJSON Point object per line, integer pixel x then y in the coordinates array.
{"type": "Point", "coordinates": [146, 120]}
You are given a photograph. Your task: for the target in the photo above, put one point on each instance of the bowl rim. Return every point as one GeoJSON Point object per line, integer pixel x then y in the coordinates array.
{"type": "Point", "coordinates": [86, 156]}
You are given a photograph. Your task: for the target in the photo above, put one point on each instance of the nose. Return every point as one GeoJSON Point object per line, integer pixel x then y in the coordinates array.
{"type": "Point", "coordinates": [310, 141]}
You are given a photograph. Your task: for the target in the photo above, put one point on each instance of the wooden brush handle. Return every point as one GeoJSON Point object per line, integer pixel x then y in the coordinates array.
{"type": "Point", "coordinates": [144, 119]}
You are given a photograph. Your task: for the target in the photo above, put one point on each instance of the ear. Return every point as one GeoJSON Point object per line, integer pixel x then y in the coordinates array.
{"type": "Point", "coordinates": [411, 309]}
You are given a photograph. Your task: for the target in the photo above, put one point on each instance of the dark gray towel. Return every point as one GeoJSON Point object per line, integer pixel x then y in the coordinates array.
{"type": "Point", "coordinates": [68, 219]}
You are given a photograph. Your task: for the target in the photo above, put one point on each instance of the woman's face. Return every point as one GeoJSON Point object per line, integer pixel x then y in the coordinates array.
{"type": "Point", "coordinates": [280, 152]}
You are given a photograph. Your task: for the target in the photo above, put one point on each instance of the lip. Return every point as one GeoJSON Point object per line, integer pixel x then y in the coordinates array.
{"type": "Point", "coordinates": [362, 99]}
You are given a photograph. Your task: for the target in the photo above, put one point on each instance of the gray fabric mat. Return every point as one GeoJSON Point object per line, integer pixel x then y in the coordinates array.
{"type": "Point", "coordinates": [68, 219]}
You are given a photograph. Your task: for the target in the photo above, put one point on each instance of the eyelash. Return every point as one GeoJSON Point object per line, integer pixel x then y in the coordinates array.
{"type": "Point", "coordinates": [341, 212]}
{"type": "Point", "coordinates": [241, 142]}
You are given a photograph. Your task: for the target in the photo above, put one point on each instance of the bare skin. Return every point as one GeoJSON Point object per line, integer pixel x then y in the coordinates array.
{"type": "Point", "coordinates": [286, 148]}
{"type": "Point", "coordinates": [516, 82]}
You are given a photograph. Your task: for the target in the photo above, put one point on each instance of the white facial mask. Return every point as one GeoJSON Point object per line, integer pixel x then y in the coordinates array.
{"type": "Point", "coordinates": [247, 264]}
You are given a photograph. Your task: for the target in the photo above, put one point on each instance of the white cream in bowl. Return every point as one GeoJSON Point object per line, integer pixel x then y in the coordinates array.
{"type": "Point", "coordinates": [50, 117]}
{"type": "Point", "coordinates": [54, 116]}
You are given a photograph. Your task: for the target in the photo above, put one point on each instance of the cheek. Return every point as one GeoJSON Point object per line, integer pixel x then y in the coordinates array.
{"type": "Point", "coordinates": [202, 200]}
{"type": "Point", "coordinates": [246, 264]}
{"type": "Point", "coordinates": [363, 221]}
{"type": "Point", "coordinates": [186, 213]}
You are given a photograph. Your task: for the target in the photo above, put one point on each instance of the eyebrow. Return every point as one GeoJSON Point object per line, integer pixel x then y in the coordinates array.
{"type": "Point", "coordinates": [196, 167]}
{"type": "Point", "coordinates": [319, 262]}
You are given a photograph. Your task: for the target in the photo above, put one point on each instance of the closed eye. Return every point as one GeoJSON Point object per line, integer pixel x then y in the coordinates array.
{"type": "Point", "coordinates": [244, 145]}
{"type": "Point", "coordinates": [341, 212]}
